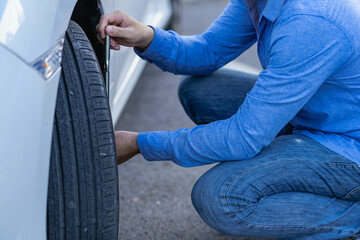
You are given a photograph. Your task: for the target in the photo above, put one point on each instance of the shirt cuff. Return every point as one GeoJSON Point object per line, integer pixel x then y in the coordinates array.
{"type": "Point", "coordinates": [152, 145]}
{"type": "Point", "coordinates": [156, 50]}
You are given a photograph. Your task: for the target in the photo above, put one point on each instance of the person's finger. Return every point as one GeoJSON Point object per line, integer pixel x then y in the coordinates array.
{"type": "Point", "coordinates": [115, 44]}
{"type": "Point", "coordinates": [111, 18]}
{"type": "Point", "coordinates": [112, 42]}
{"type": "Point", "coordinates": [116, 47]}
{"type": "Point", "coordinates": [100, 39]}
{"type": "Point", "coordinates": [101, 26]}
{"type": "Point", "coordinates": [117, 32]}
{"type": "Point", "coordinates": [97, 27]}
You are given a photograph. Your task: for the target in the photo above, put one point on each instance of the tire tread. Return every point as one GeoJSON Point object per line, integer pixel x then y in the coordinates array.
{"type": "Point", "coordinates": [83, 139]}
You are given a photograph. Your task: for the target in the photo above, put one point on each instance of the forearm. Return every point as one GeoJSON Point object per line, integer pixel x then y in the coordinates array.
{"type": "Point", "coordinates": [204, 144]}
{"type": "Point", "coordinates": [187, 55]}
{"type": "Point", "coordinates": [226, 38]}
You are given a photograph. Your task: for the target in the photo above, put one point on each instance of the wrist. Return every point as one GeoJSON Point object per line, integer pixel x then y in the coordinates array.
{"type": "Point", "coordinates": [136, 147]}
{"type": "Point", "coordinates": [148, 36]}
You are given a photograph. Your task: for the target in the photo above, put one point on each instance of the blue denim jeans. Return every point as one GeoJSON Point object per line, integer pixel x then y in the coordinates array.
{"type": "Point", "coordinates": [294, 189]}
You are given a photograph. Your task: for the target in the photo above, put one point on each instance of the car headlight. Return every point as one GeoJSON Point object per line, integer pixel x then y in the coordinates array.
{"type": "Point", "coordinates": [50, 61]}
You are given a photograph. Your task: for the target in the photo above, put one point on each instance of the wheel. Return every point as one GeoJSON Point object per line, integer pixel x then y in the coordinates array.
{"type": "Point", "coordinates": [83, 195]}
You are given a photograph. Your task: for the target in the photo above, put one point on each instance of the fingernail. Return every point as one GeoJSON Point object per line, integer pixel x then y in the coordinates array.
{"type": "Point", "coordinates": [109, 29]}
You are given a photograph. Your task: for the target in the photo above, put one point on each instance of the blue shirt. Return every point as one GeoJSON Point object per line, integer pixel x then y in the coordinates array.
{"type": "Point", "coordinates": [310, 54]}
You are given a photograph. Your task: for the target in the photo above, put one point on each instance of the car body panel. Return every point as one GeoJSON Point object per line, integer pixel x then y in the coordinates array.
{"type": "Point", "coordinates": [31, 33]}
{"type": "Point", "coordinates": [27, 106]}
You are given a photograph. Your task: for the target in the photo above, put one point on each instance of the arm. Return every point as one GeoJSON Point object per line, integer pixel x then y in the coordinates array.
{"type": "Point", "coordinates": [300, 61]}
{"type": "Point", "coordinates": [227, 37]}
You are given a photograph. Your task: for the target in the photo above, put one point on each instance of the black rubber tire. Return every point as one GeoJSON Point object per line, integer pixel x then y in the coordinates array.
{"type": "Point", "coordinates": [83, 193]}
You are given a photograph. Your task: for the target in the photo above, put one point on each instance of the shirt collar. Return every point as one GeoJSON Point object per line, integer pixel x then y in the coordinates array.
{"type": "Point", "coordinates": [272, 9]}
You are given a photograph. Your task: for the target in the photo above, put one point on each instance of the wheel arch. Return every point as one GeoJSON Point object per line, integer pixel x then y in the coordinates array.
{"type": "Point", "coordinates": [87, 14]}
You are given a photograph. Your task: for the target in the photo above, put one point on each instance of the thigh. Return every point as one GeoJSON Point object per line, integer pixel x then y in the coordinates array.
{"type": "Point", "coordinates": [291, 185]}
{"type": "Point", "coordinates": [294, 163]}
{"type": "Point", "coordinates": [215, 97]}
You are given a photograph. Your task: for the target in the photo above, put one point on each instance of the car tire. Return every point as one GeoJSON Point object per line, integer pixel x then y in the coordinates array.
{"type": "Point", "coordinates": [83, 193]}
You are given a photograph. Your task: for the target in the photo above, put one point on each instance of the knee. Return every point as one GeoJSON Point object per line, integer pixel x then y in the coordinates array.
{"type": "Point", "coordinates": [185, 85]}
{"type": "Point", "coordinates": [205, 194]}
{"type": "Point", "coordinates": [190, 88]}
{"type": "Point", "coordinates": [194, 88]}
{"type": "Point", "coordinates": [207, 199]}
{"type": "Point", "coordinates": [185, 90]}
{"type": "Point", "coordinates": [190, 97]}
{"type": "Point", "coordinates": [210, 201]}
{"type": "Point", "coordinates": [217, 203]}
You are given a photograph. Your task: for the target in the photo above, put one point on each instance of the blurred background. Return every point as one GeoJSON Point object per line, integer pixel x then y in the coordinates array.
{"type": "Point", "coordinates": [155, 198]}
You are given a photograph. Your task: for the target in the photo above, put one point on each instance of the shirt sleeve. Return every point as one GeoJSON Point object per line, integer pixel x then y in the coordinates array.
{"type": "Point", "coordinates": [304, 52]}
{"type": "Point", "coordinates": [227, 37]}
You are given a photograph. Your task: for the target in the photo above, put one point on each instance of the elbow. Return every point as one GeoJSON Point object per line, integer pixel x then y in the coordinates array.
{"type": "Point", "coordinates": [253, 148]}
{"type": "Point", "coordinates": [250, 146]}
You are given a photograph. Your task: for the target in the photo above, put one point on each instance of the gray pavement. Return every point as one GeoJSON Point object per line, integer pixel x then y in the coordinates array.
{"type": "Point", "coordinates": [155, 196]}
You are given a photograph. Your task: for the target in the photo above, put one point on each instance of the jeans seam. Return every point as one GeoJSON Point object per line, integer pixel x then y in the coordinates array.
{"type": "Point", "coordinates": [351, 192]}
{"type": "Point", "coordinates": [227, 190]}
{"type": "Point", "coordinates": [344, 164]}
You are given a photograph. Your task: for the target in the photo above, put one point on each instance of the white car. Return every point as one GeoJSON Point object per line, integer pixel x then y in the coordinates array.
{"type": "Point", "coordinates": [58, 172]}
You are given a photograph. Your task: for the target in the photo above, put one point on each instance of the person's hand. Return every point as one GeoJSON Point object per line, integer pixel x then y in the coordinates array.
{"type": "Point", "coordinates": [124, 30]}
{"type": "Point", "coordinates": [126, 145]}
